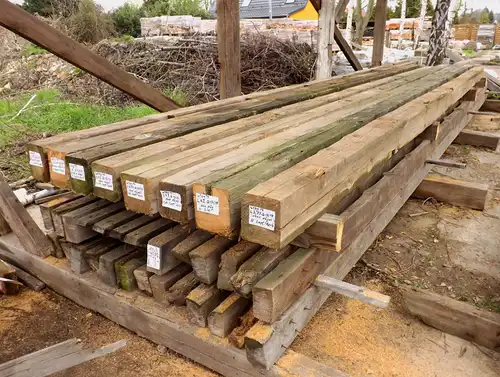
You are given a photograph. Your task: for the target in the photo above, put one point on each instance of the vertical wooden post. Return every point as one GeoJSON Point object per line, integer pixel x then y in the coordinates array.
{"type": "Point", "coordinates": [348, 28]}
{"type": "Point", "coordinates": [325, 39]}
{"type": "Point", "coordinates": [402, 23]}
{"type": "Point", "coordinates": [379, 32]}
{"type": "Point", "coordinates": [228, 41]}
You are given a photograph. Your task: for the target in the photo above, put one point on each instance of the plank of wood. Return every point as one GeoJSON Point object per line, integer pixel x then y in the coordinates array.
{"type": "Point", "coordinates": [266, 343]}
{"type": "Point", "coordinates": [21, 223]}
{"type": "Point", "coordinates": [47, 208]}
{"type": "Point", "coordinates": [29, 280]}
{"type": "Point", "coordinates": [142, 235]}
{"type": "Point", "coordinates": [39, 161]}
{"type": "Point", "coordinates": [299, 196]}
{"type": "Point", "coordinates": [121, 231]}
{"type": "Point", "coordinates": [455, 317]}
{"type": "Point", "coordinates": [107, 262]}
{"type": "Point", "coordinates": [160, 284]}
{"type": "Point", "coordinates": [4, 226]}
{"type": "Point", "coordinates": [353, 291]}
{"type": "Point", "coordinates": [124, 270]}
{"type": "Point", "coordinates": [232, 185]}
{"type": "Point", "coordinates": [108, 224]}
{"type": "Point", "coordinates": [142, 276]}
{"type": "Point", "coordinates": [160, 258]}
{"type": "Point", "coordinates": [231, 261]}
{"type": "Point", "coordinates": [256, 267]}
{"type": "Point", "coordinates": [201, 301]}
{"type": "Point", "coordinates": [491, 105]}
{"type": "Point", "coordinates": [76, 233]}
{"type": "Point", "coordinates": [178, 292]}
{"type": "Point", "coordinates": [224, 318]}
{"type": "Point", "coordinates": [174, 332]}
{"type": "Point", "coordinates": [59, 211]}
{"type": "Point", "coordinates": [379, 32]}
{"type": "Point", "coordinates": [479, 139]}
{"type": "Point", "coordinates": [92, 218]}
{"type": "Point", "coordinates": [92, 255]}
{"type": "Point", "coordinates": [176, 155]}
{"type": "Point", "coordinates": [324, 233]}
{"type": "Point", "coordinates": [228, 46]}
{"type": "Point", "coordinates": [76, 254]}
{"type": "Point", "coordinates": [35, 30]}
{"type": "Point", "coordinates": [459, 193]}
{"type": "Point", "coordinates": [246, 322]}
{"type": "Point", "coordinates": [347, 50]}
{"type": "Point", "coordinates": [195, 239]}
{"type": "Point", "coordinates": [205, 259]}
{"type": "Point", "coordinates": [57, 193]}
{"type": "Point", "coordinates": [447, 163]}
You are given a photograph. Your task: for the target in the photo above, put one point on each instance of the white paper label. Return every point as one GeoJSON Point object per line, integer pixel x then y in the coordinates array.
{"type": "Point", "coordinates": [154, 257]}
{"type": "Point", "coordinates": [58, 165]}
{"type": "Point", "coordinates": [172, 200]}
{"type": "Point", "coordinates": [135, 190]}
{"type": "Point", "coordinates": [36, 159]}
{"type": "Point", "coordinates": [103, 180]}
{"type": "Point", "coordinates": [77, 172]}
{"type": "Point", "coordinates": [207, 204]}
{"type": "Point", "coordinates": [262, 217]}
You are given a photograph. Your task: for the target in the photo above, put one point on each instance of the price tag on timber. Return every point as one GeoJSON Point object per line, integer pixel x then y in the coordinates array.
{"type": "Point", "coordinates": [207, 204]}
{"type": "Point", "coordinates": [172, 200]}
{"type": "Point", "coordinates": [58, 165]}
{"type": "Point", "coordinates": [77, 172]}
{"type": "Point", "coordinates": [154, 257]}
{"type": "Point", "coordinates": [36, 159]}
{"type": "Point", "coordinates": [135, 190]}
{"type": "Point", "coordinates": [103, 180]}
{"type": "Point", "coordinates": [262, 217]}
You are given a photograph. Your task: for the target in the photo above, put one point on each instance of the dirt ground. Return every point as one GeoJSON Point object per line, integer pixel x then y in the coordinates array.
{"type": "Point", "coordinates": [445, 249]}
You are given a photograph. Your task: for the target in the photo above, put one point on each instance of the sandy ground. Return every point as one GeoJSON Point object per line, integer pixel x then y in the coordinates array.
{"type": "Point", "coordinates": [449, 250]}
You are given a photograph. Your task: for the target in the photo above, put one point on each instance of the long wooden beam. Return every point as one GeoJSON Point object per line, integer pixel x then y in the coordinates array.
{"type": "Point", "coordinates": [479, 139]}
{"type": "Point", "coordinates": [35, 30]}
{"type": "Point", "coordinates": [143, 316]}
{"type": "Point", "coordinates": [265, 343]}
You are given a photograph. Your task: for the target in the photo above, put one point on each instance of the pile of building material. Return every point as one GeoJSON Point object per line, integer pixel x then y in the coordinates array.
{"type": "Point", "coordinates": [232, 209]}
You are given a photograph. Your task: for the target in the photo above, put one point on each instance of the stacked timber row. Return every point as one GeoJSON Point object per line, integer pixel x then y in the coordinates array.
{"type": "Point", "coordinates": [233, 209]}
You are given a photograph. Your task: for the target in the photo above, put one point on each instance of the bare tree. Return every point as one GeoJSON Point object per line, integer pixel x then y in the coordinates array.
{"type": "Point", "coordinates": [361, 20]}
{"type": "Point", "coordinates": [438, 40]}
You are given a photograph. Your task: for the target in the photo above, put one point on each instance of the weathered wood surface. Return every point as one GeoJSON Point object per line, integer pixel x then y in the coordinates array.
{"type": "Point", "coordinates": [59, 211]}
{"type": "Point", "coordinates": [173, 156]}
{"type": "Point", "coordinates": [93, 254]}
{"type": "Point", "coordinates": [224, 318]}
{"type": "Point", "coordinates": [47, 208]}
{"type": "Point", "coordinates": [21, 223]}
{"type": "Point", "coordinates": [300, 195]}
{"type": "Point", "coordinates": [231, 261]}
{"type": "Point", "coordinates": [179, 291]}
{"type": "Point", "coordinates": [246, 322]}
{"type": "Point", "coordinates": [107, 262]}
{"type": "Point", "coordinates": [266, 343]}
{"type": "Point", "coordinates": [205, 259]}
{"type": "Point", "coordinates": [142, 276]}
{"type": "Point", "coordinates": [256, 267]}
{"type": "Point", "coordinates": [160, 257]}
{"type": "Point", "coordinates": [352, 291]}
{"type": "Point", "coordinates": [453, 191]}
{"type": "Point", "coordinates": [4, 226]}
{"type": "Point", "coordinates": [479, 139]}
{"type": "Point", "coordinates": [491, 105]}
{"type": "Point", "coordinates": [124, 270]}
{"type": "Point", "coordinates": [76, 233]}
{"type": "Point", "coordinates": [160, 284]}
{"type": "Point", "coordinates": [121, 231]}
{"type": "Point", "coordinates": [455, 317]}
{"type": "Point", "coordinates": [379, 32]}
{"type": "Point", "coordinates": [326, 24]}
{"type": "Point", "coordinates": [195, 239]}
{"type": "Point", "coordinates": [201, 301]}
{"type": "Point", "coordinates": [166, 327]}
{"type": "Point", "coordinates": [106, 225]}
{"type": "Point", "coordinates": [142, 235]}
{"type": "Point", "coordinates": [94, 217]}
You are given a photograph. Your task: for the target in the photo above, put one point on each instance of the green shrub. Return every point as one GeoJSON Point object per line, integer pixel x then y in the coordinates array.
{"type": "Point", "coordinates": [31, 49]}
{"type": "Point", "coordinates": [127, 19]}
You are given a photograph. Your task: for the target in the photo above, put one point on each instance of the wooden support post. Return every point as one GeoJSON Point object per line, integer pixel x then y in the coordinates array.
{"type": "Point", "coordinates": [35, 30]}
{"type": "Point", "coordinates": [455, 317]}
{"type": "Point", "coordinates": [452, 191]}
{"type": "Point", "coordinates": [325, 39]}
{"type": "Point", "coordinates": [491, 105]}
{"type": "Point", "coordinates": [479, 139]}
{"type": "Point", "coordinates": [19, 220]}
{"type": "Point", "coordinates": [352, 291]}
{"type": "Point", "coordinates": [379, 32]}
{"type": "Point", "coordinates": [228, 42]}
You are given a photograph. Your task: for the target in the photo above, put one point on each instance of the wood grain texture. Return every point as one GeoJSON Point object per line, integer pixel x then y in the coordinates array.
{"type": "Point", "coordinates": [224, 318]}
{"type": "Point", "coordinates": [379, 32]}
{"type": "Point", "coordinates": [455, 317]}
{"type": "Point", "coordinates": [201, 301]}
{"type": "Point", "coordinates": [160, 284]}
{"type": "Point", "coordinates": [478, 139]}
{"type": "Point", "coordinates": [205, 259]}
{"type": "Point", "coordinates": [231, 261]}
{"type": "Point", "coordinates": [453, 191]}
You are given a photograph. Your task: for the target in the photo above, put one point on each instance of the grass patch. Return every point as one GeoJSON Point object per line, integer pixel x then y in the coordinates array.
{"type": "Point", "coordinates": [48, 112]}
{"type": "Point", "coordinates": [468, 52]}
{"type": "Point", "coordinates": [177, 95]}
{"type": "Point", "coordinates": [31, 49]}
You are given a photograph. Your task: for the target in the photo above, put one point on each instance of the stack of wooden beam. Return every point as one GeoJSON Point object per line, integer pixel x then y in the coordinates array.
{"type": "Point", "coordinates": [233, 209]}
